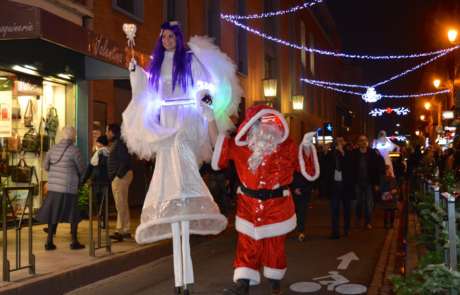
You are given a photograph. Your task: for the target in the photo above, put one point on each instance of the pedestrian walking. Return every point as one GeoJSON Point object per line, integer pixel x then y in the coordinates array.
{"type": "Point", "coordinates": [380, 167]}
{"type": "Point", "coordinates": [340, 185]}
{"type": "Point", "coordinates": [367, 176]}
{"type": "Point", "coordinates": [414, 161]}
{"type": "Point", "coordinates": [400, 171]}
{"type": "Point", "coordinates": [388, 191]}
{"type": "Point", "coordinates": [301, 194]}
{"type": "Point", "coordinates": [64, 163]}
{"type": "Point", "coordinates": [97, 170]}
{"type": "Point", "coordinates": [121, 175]}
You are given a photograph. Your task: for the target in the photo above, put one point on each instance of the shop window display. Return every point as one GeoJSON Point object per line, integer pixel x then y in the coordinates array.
{"type": "Point", "coordinates": [33, 111]}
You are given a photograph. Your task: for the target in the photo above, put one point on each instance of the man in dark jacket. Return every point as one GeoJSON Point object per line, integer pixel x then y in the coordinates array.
{"type": "Point", "coordinates": [340, 185]}
{"type": "Point", "coordinates": [367, 179]}
{"type": "Point", "coordinates": [119, 168]}
{"type": "Point", "coordinates": [413, 163]}
{"type": "Point", "coordinates": [301, 194]}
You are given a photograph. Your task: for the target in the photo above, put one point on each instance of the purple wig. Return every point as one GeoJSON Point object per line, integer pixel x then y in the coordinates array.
{"type": "Point", "coordinates": [182, 69]}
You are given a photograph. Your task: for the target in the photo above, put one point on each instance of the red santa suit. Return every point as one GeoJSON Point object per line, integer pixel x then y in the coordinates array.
{"type": "Point", "coordinates": [265, 212]}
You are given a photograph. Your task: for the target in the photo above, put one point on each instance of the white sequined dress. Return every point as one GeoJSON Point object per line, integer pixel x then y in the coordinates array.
{"type": "Point", "coordinates": [170, 126]}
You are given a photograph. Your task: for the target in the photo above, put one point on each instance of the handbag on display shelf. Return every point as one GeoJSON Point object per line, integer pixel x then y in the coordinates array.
{"type": "Point", "coordinates": [16, 112]}
{"type": "Point", "coordinates": [14, 143]}
{"type": "Point", "coordinates": [29, 119]}
{"type": "Point", "coordinates": [21, 173]}
{"type": "Point", "coordinates": [53, 119]}
{"type": "Point", "coordinates": [29, 141]}
{"type": "Point", "coordinates": [4, 113]}
{"type": "Point", "coordinates": [42, 142]}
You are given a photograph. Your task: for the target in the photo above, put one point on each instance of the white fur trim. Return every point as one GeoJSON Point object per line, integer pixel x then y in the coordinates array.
{"type": "Point", "coordinates": [247, 273]}
{"type": "Point", "coordinates": [302, 164]}
{"type": "Point", "coordinates": [239, 191]}
{"type": "Point", "coordinates": [265, 231]}
{"type": "Point", "coordinates": [273, 273]}
{"type": "Point", "coordinates": [251, 122]}
{"type": "Point", "coordinates": [217, 152]}
{"type": "Point", "coordinates": [286, 193]}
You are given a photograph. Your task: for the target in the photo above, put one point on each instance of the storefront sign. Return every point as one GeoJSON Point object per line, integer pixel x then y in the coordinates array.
{"type": "Point", "coordinates": [27, 87]}
{"type": "Point", "coordinates": [447, 115]}
{"type": "Point", "coordinates": [104, 48]}
{"type": "Point", "coordinates": [22, 24]}
{"type": "Point", "coordinates": [451, 129]}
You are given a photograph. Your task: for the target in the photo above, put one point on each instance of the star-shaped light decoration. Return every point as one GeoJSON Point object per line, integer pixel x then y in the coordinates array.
{"type": "Point", "coordinates": [329, 127]}
{"type": "Point", "coordinates": [371, 95]}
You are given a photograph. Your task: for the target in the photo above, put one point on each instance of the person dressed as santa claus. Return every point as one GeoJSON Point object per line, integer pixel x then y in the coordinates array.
{"type": "Point", "coordinates": [265, 157]}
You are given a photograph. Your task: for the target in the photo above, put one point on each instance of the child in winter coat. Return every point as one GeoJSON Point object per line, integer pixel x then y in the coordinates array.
{"type": "Point", "coordinates": [388, 191]}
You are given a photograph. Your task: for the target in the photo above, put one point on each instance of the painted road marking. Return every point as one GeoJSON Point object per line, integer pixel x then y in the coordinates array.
{"type": "Point", "coordinates": [346, 259]}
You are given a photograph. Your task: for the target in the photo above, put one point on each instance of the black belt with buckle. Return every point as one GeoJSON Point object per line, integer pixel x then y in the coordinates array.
{"type": "Point", "coordinates": [337, 182]}
{"type": "Point", "coordinates": [264, 194]}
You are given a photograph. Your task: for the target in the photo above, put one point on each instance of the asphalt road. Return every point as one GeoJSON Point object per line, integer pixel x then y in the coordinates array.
{"type": "Point", "coordinates": [307, 261]}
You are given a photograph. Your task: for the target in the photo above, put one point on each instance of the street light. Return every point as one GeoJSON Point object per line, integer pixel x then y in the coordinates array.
{"type": "Point", "coordinates": [417, 133]}
{"type": "Point", "coordinates": [297, 105]}
{"type": "Point", "coordinates": [422, 117]}
{"type": "Point", "coordinates": [436, 83]}
{"type": "Point", "coordinates": [269, 87]}
{"type": "Point", "coordinates": [452, 34]}
{"type": "Point", "coordinates": [427, 105]}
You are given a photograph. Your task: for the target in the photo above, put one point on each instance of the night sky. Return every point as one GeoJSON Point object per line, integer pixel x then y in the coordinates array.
{"type": "Point", "coordinates": [390, 27]}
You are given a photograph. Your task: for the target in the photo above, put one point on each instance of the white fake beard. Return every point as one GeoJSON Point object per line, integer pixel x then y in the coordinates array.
{"type": "Point", "coordinates": [263, 139]}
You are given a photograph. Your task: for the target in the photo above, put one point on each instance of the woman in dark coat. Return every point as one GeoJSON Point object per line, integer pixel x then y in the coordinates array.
{"type": "Point", "coordinates": [301, 194]}
{"type": "Point", "coordinates": [64, 163]}
{"type": "Point", "coordinates": [97, 170]}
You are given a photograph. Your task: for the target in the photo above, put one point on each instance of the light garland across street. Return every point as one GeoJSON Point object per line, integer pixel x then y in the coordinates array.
{"type": "Point", "coordinates": [398, 138]}
{"type": "Point", "coordinates": [399, 111]}
{"type": "Point", "coordinates": [313, 82]}
{"type": "Point", "coordinates": [331, 53]}
{"type": "Point", "coordinates": [270, 14]}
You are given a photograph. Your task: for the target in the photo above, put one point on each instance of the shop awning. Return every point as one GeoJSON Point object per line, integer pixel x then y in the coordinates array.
{"type": "Point", "coordinates": [31, 35]}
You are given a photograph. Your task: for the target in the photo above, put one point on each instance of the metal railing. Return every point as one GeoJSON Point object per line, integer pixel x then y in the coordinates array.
{"type": "Point", "coordinates": [436, 190]}
{"type": "Point", "coordinates": [18, 227]}
{"type": "Point", "coordinates": [452, 257]}
{"type": "Point", "coordinates": [103, 206]}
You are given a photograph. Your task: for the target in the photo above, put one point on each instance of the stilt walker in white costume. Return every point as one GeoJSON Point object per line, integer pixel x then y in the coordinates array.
{"type": "Point", "coordinates": [168, 119]}
{"type": "Point", "coordinates": [385, 147]}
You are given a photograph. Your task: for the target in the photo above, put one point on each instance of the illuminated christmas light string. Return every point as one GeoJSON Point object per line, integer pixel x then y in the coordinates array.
{"type": "Point", "coordinates": [270, 14]}
{"type": "Point", "coordinates": [361, 94]}
{"type": "Point", "coordinates": [383, 82]}
{"type": "Point", "coordinates": [331, 53]}
{"type": "Point", "coordinates": [414, 68]}
{"type": "Point", "coordinates": [400, 111]}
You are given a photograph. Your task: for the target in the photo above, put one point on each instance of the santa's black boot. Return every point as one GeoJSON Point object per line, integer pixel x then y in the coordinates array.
{"type": "Point", "coordinates": [275, 287]}
{"type": "Point", "coordinates": [177, 290]}
{"type": "Point", "coordinates": [241, 288]}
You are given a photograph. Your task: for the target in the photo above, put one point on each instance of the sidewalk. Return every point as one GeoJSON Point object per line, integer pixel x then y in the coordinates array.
{"type": "Point", "coordinates": [64, 269]}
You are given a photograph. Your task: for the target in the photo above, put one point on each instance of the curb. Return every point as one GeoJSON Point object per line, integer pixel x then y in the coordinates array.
{"type": "Point", "coordinates": [380, 284]}
{"type": "Point", "coordinates": [91, 272]}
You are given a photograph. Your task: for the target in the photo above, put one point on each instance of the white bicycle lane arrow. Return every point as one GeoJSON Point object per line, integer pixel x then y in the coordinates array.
{"type": "Point", "coordinates": [346, 259]}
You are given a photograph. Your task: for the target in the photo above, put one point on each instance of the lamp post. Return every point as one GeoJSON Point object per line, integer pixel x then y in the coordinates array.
{"type": "Point", "coordinates": [297, 105]}
{"type": "Point", "coordinates": [269, 87]}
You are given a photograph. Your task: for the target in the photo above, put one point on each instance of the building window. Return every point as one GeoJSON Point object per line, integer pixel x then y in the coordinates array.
{"type": "Point", "coordinates": [312, 73]}
{"type": "Point", "coordinates": [212, 19]}
{"type": "Point", "coordinates": [176, 10]}
{"type": "Point", "coordinates": [133, 10]}
{"type": "Point", "coordinates": [241, 37]}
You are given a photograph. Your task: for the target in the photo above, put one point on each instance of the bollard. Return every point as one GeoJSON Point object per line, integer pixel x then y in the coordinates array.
{"type": "Point", "coordinates": [104, 206]}
{"type": "Point", "coordinates": [450, 199]}
{"type": "Point", "coordinates": [435, 188]}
